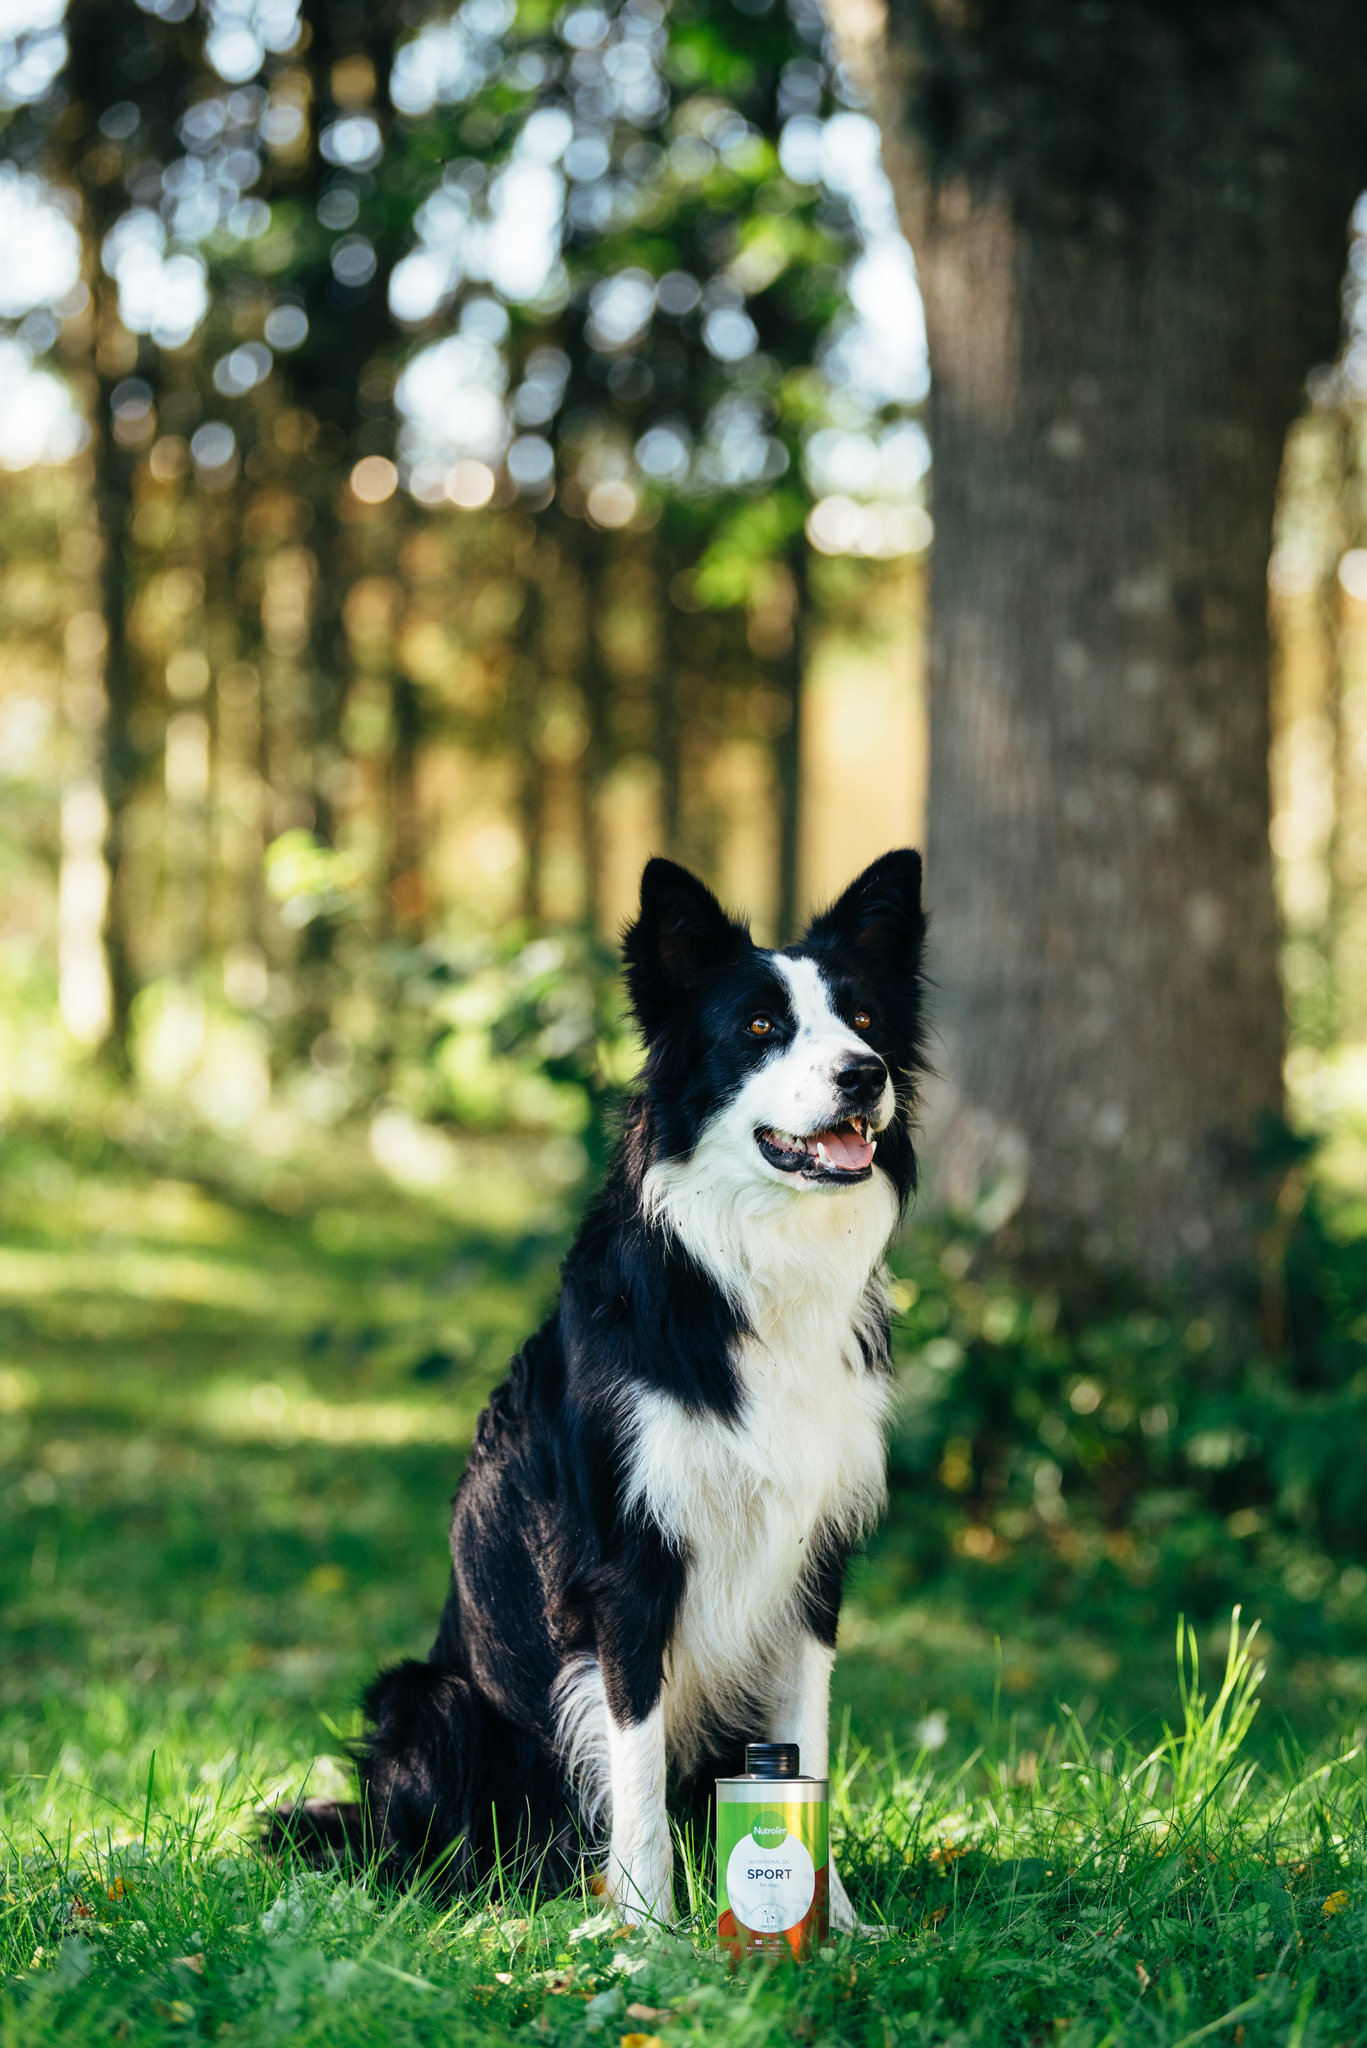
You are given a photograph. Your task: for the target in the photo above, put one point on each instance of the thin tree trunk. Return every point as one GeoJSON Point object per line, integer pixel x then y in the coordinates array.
{"type": "Point", "coordinates": [596, 691]}
{"type": "Point", "coordinates": [407, 897]}
{"type": "Point", "coordinates": [524, 684]}
{"type": "Point", "coordinates": [113, 759]}
{"type": "Point", "coordinates": [118, 761]}
{"type": "Point", "coordinates": [1129, 253]}
{"type": "Point", "coordinates": [788, 675]}
{"type": "Point", "coordinates": [667, 734]}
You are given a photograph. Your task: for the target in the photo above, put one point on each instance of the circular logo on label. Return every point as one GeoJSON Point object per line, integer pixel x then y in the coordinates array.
{"type": "Point", "coordinates": [770, 1887]}
{"type": "Point", "coordinates": [769, 1828]}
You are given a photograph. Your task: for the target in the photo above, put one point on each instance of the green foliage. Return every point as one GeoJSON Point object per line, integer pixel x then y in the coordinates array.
{"type": "Point", "coordinates": [1139, 1448]}
{"type": "Point", "coordinates": [312, 880]}
{"type": "Point", "coordinates": [519, 1032]}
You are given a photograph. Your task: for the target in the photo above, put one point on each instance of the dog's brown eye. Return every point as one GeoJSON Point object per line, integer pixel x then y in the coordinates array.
{"type": "Point", "coordinates": [861, 1020]}
{"type": "Point", "coordinates": [760, 1027]}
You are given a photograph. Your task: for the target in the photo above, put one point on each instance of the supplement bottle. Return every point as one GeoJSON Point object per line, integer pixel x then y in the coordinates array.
{"type": "Point", "coordinates": [773, 1855]}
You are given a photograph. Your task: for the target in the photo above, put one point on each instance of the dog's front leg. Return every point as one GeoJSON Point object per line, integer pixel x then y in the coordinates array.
{"type": "Point", "coordinates": [635, 1621]}
{"type": "Point", "coordinates": [802, 1705]}
{"type": "Point", "coordinates": [802, 1714]}
{"type": "Point", "coordinates": [640, 1870]}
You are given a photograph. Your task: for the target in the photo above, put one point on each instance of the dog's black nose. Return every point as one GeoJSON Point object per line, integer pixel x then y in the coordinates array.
{"type": "Point", "coordinates": [862, 1079]}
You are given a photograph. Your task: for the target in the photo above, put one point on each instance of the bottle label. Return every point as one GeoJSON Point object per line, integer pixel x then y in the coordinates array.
{"type": "Point", "coordinates": [772, 1872]}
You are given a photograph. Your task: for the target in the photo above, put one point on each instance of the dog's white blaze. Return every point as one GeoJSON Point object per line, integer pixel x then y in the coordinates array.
{"type": "Point", "coordinates": [823, 1039]}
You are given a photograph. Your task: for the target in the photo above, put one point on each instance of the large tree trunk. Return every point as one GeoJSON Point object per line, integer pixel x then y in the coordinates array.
{"type": "Point", "coordinates": [1130, 234]}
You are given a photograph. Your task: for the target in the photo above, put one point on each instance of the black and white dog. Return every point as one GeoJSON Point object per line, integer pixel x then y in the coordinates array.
{"type": "Point", "coordinates": [652, 1530]}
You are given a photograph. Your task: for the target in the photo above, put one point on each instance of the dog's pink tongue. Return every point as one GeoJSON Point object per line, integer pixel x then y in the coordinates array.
{"type": "Point", "coordinates": [850, 1153]}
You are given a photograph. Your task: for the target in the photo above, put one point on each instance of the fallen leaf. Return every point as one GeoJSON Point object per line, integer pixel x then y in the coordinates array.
{"type": "Point", "coordinates": [1144, 1978]}
{"type": "Point", "coordinates": [503, 1976]}
{"type": "Point", "coordinates": [642, 2041]}
{"type": "Point", "coordinates": [195, 1963]}
{"type": "Point", "coordinates": [84, 1912]}
{"type": "Point", "coordinates": [934, 1918]}
{"type": "Point", "coordinates": [1336, 1902]}
{"type": "Point", "coordinates": [650, 2012]}
{"type": "Point", "coordinates": [116, 1890]}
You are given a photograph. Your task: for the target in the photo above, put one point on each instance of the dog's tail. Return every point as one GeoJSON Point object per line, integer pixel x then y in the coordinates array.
{"type": "Point", "coordinates": [448, 1791]}
{"type": "Point", "coordinates": [320, 1831]}
{"type": "Point", "coordinates": [424, 1772]}
{"type": "Point", "coordinates": [427, 1775]}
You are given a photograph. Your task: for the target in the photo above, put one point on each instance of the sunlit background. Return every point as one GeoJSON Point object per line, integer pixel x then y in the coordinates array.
{"type": "Point", "coordinates": [581, 564]}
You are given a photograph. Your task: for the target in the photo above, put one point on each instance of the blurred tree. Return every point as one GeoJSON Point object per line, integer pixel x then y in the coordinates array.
{"type": "Point", "coordinates": [1129, 221]}
{"type": "Point", "coordinates": [644, 191]}
{"type": "Point", "coordinates": [460, 392]}
{"type": "Point", "coordinates": [124, 89]}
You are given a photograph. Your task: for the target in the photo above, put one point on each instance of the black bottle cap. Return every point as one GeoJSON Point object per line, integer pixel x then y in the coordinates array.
{"type": "Point", "coordinates": [772, 1760]}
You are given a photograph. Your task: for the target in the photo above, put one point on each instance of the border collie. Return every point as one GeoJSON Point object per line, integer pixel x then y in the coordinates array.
{"type": "Point", "coordinates": [650, 1537]}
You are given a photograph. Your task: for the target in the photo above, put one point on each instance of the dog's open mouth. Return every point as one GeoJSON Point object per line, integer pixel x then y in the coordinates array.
{"type": "Point", "coordinates": [842, 1152]}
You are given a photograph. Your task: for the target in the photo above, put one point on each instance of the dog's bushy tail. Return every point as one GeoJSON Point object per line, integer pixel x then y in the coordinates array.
{"type": "Point", "coordinates": [321, 1831]}
{"type": "Point", "coordinates": [449, 1792]}
{"type": "Point", "coordinates": [427, 1776]}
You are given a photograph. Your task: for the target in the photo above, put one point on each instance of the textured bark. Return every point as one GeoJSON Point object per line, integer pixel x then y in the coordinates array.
{"type": "Point", "coordinates": [1130, 229]}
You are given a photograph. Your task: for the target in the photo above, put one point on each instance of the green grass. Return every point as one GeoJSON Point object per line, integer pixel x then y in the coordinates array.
{"type": "Point", "coordinates": [234, 1392]}
{"type": "Point", "coordinates": [1092, 1894]}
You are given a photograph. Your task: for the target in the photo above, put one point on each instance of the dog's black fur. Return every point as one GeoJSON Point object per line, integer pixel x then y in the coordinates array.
{"type": "Point", "coordinates": [461, 1760]}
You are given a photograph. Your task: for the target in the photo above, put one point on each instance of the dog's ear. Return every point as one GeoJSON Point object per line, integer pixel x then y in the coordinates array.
{"type": "Point", "coordinates": [879, 916]}
{"type": "Point", "coordinates": [681, 937]}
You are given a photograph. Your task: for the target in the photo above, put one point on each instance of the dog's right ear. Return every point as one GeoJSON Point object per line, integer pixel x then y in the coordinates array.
{"type": "Point", "coordinates": [680, 939]}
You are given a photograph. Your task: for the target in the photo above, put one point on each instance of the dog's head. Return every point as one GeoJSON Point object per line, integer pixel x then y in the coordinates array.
{"type": "Point", "coordinates": [797, 1067]}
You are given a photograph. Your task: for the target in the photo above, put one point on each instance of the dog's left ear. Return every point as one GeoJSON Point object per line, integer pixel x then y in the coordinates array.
{"type": "Point", "coordinates": [681, 938]}
{"type": "Point", "coordinates": [880, 914]}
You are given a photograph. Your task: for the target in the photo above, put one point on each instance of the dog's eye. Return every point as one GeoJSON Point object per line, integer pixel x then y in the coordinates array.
{"type": "Point", "coordinates": [861, 1020]}
{"type": "Point", "coordinates": [760, 1027]}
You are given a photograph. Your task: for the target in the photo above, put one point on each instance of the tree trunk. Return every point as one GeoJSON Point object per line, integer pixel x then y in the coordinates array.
{"type": "Point", "coordinates": [789, 673]}
{"type": "Point", "coordinates": [1130, 238]}
{"type": "Point", "coordinates": [597, 688]}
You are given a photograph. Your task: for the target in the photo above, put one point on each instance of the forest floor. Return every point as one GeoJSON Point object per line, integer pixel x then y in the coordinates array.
{"type": "Point", "coordinates": [234, 1395]}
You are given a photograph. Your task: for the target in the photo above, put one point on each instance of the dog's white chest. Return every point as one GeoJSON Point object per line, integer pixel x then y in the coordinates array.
{"type": "Point", "coordinates": [748, 1502]}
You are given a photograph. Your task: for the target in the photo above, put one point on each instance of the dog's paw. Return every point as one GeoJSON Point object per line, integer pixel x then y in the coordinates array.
{"type": "Point", "coordinates": [640, 1895]}
{"type": "Point", "coordinates": [843, 1920]}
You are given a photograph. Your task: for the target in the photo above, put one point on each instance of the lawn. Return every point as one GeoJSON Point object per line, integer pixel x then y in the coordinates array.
{"type": "Point", "coordinates": [234, 1390]}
